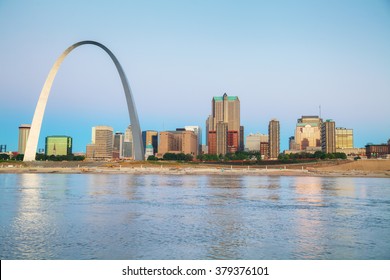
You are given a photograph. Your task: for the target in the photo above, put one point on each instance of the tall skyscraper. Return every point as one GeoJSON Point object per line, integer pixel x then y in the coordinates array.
{"type": "Point", "coordinates": [128, 143]}
{"type": "Point", "coordinates": [24, 131]}
{"type": "Point", "coordinates": [344, 138]}
{"type": "Point", "coordinates": [58, 145]}
{"type": "Point", "coordinates": [118, 146]}
{"type": "Point", "coordinates": [242, 146]}
{"type": "Point", "coordinates": [225, 110]}
{"type": "Point", "coordinates": [308, 133]}
{"type": "Point", "coordinates": [209, 127]}
{"type": "Point", "coordinates": [198, 132]}
{"type": "Point", "coordinates": [328, 136]}
{"type": "Point", "coordinates": [274, 139]}
{"type": "Point", "coordinates": [102, 143]}
{"type": "Point", "coordinates": [222, 138]}
{"type": "Point", "coordinates": [150, 137]}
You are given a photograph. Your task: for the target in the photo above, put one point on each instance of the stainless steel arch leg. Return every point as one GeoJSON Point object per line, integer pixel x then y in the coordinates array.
{"type": "Point", "coordinates": [32, 141]}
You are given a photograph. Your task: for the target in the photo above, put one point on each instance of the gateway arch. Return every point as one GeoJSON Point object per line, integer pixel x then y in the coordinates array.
{"type": "Point", "coordinates": [32, 142]}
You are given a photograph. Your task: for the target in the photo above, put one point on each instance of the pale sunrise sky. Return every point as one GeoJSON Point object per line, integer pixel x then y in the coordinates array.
{"type": "Point", "coordinates": [283, 59]}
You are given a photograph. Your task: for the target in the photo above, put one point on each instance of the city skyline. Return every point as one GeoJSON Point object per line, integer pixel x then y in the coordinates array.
{"type": "Point", "coordinates": [301, 122]}
{"type": "Point", "coordinates": [316, 137]}
{"type": "Point", "coordinates": [282, 59]}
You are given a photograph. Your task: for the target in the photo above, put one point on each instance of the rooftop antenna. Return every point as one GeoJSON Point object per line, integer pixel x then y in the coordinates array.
{"type": "Point", "coordinates": [320, 111]}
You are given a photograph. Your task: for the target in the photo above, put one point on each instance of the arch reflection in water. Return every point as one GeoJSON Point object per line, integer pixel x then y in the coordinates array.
{"type": "Point", "coordinates": [34, 222]}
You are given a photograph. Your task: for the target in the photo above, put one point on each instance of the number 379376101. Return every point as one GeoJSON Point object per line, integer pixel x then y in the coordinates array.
{"type": "Point", "coordinates": [241, 270]}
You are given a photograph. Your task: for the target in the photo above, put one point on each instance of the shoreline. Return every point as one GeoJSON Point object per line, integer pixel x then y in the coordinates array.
{"type": "Point", "coordinates": [185, 170]}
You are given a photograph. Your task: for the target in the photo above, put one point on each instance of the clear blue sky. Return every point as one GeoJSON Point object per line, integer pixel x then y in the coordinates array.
{"type": "Point", "coordinates": [282, 58]}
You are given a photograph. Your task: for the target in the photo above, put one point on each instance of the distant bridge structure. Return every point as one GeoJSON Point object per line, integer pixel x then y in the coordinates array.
{"type": "Point", "coordinates": [32, 142]}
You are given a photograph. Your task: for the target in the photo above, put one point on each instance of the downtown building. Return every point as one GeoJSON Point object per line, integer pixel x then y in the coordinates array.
{"type": "Point", "coordinates": [378, 150]}
{"type": "Point", "coordinates": [128, 147]}
{"type": "Point", "coordinates": [58, 145]}
{"type": "Point", "coordinates": [253, 141]}
{"type": "Point", "coordinates": [308, 134]}
{"type": "Point", "coordinates": [198, 132]}
{"type": "Point", "coordinates": [102, 143]}
{"type": "Point", "coordinates": [179, 141]}
{"type": "Point", "coordinates": [258, 143]}
{"type": "Point", "coordinates": [328, 137]}
{"type": "Point", "coordinates": [224, 134]}
{"type": "Point", "coordinates": [24, 131]}
{"type": "Point", "coordinates": [345, 143]}
{"type": "Point", "coordinates": [344, 138]}
{"type": "Point", "coordinates": [118, 145]}
{"type": "Point", "coordinates": [149, 151]}
{"type": "Point", "coordinates": [150, 137]}
{"type": "Point", "coordinates": [273, 139]}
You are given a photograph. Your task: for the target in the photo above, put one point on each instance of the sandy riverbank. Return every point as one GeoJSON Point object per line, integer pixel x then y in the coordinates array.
{"type": "Point", "coordinates": [363, 168]}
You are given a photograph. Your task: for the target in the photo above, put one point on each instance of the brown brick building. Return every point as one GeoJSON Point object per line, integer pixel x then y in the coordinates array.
{"type": "Point", "coordinates": [273, 139]}
{"type": "Point", "coordinates": [178, 142]}
{"type": "Point", "coordinates": [328, 136]}
{"type": "Point", "coordinates": [377, 151]}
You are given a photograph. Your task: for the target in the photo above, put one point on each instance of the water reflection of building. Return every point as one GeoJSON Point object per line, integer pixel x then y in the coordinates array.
{"type": "Point", "coordinates": [308, 189]}
{"type": "Point", "coordinates": [346, 187]}
{"type": "Point", "coordinates": [308, 221]}
{"type": "Point", "coordinates": [97, 185]}
{"type": "Point", "coordinates": [224, 217]}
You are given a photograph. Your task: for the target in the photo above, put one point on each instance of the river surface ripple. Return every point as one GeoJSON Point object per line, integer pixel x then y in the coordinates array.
{"type": "Point", "coordinates": [100, 216]}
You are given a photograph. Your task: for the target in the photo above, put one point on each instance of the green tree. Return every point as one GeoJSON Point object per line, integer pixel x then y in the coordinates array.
{"type": "Point", "coordinates": [189, 157]}
{"type": "Point", "coordinates": [319, 154]}
{"type": "Point", "coordinates": [19, 157]}
{"type": "Point", "coordinates": [181, 157]}
{"type": "Point", "coordinates": [341, 155]}
{"type": "Point", "coordinates": [169, 156]}
{"type": "Point", "coordinates": [240, 155]}
{"type": "Point", "coordinates": [200, 157]}
{"type": "Point", "coordinates": [209, 157]}
{"type": "Point", "coordinates": [79, 158]}
{"type": "Point", "coordinates": [152, 158]}
{"type": "Point", "coordinates": [4, 157]}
